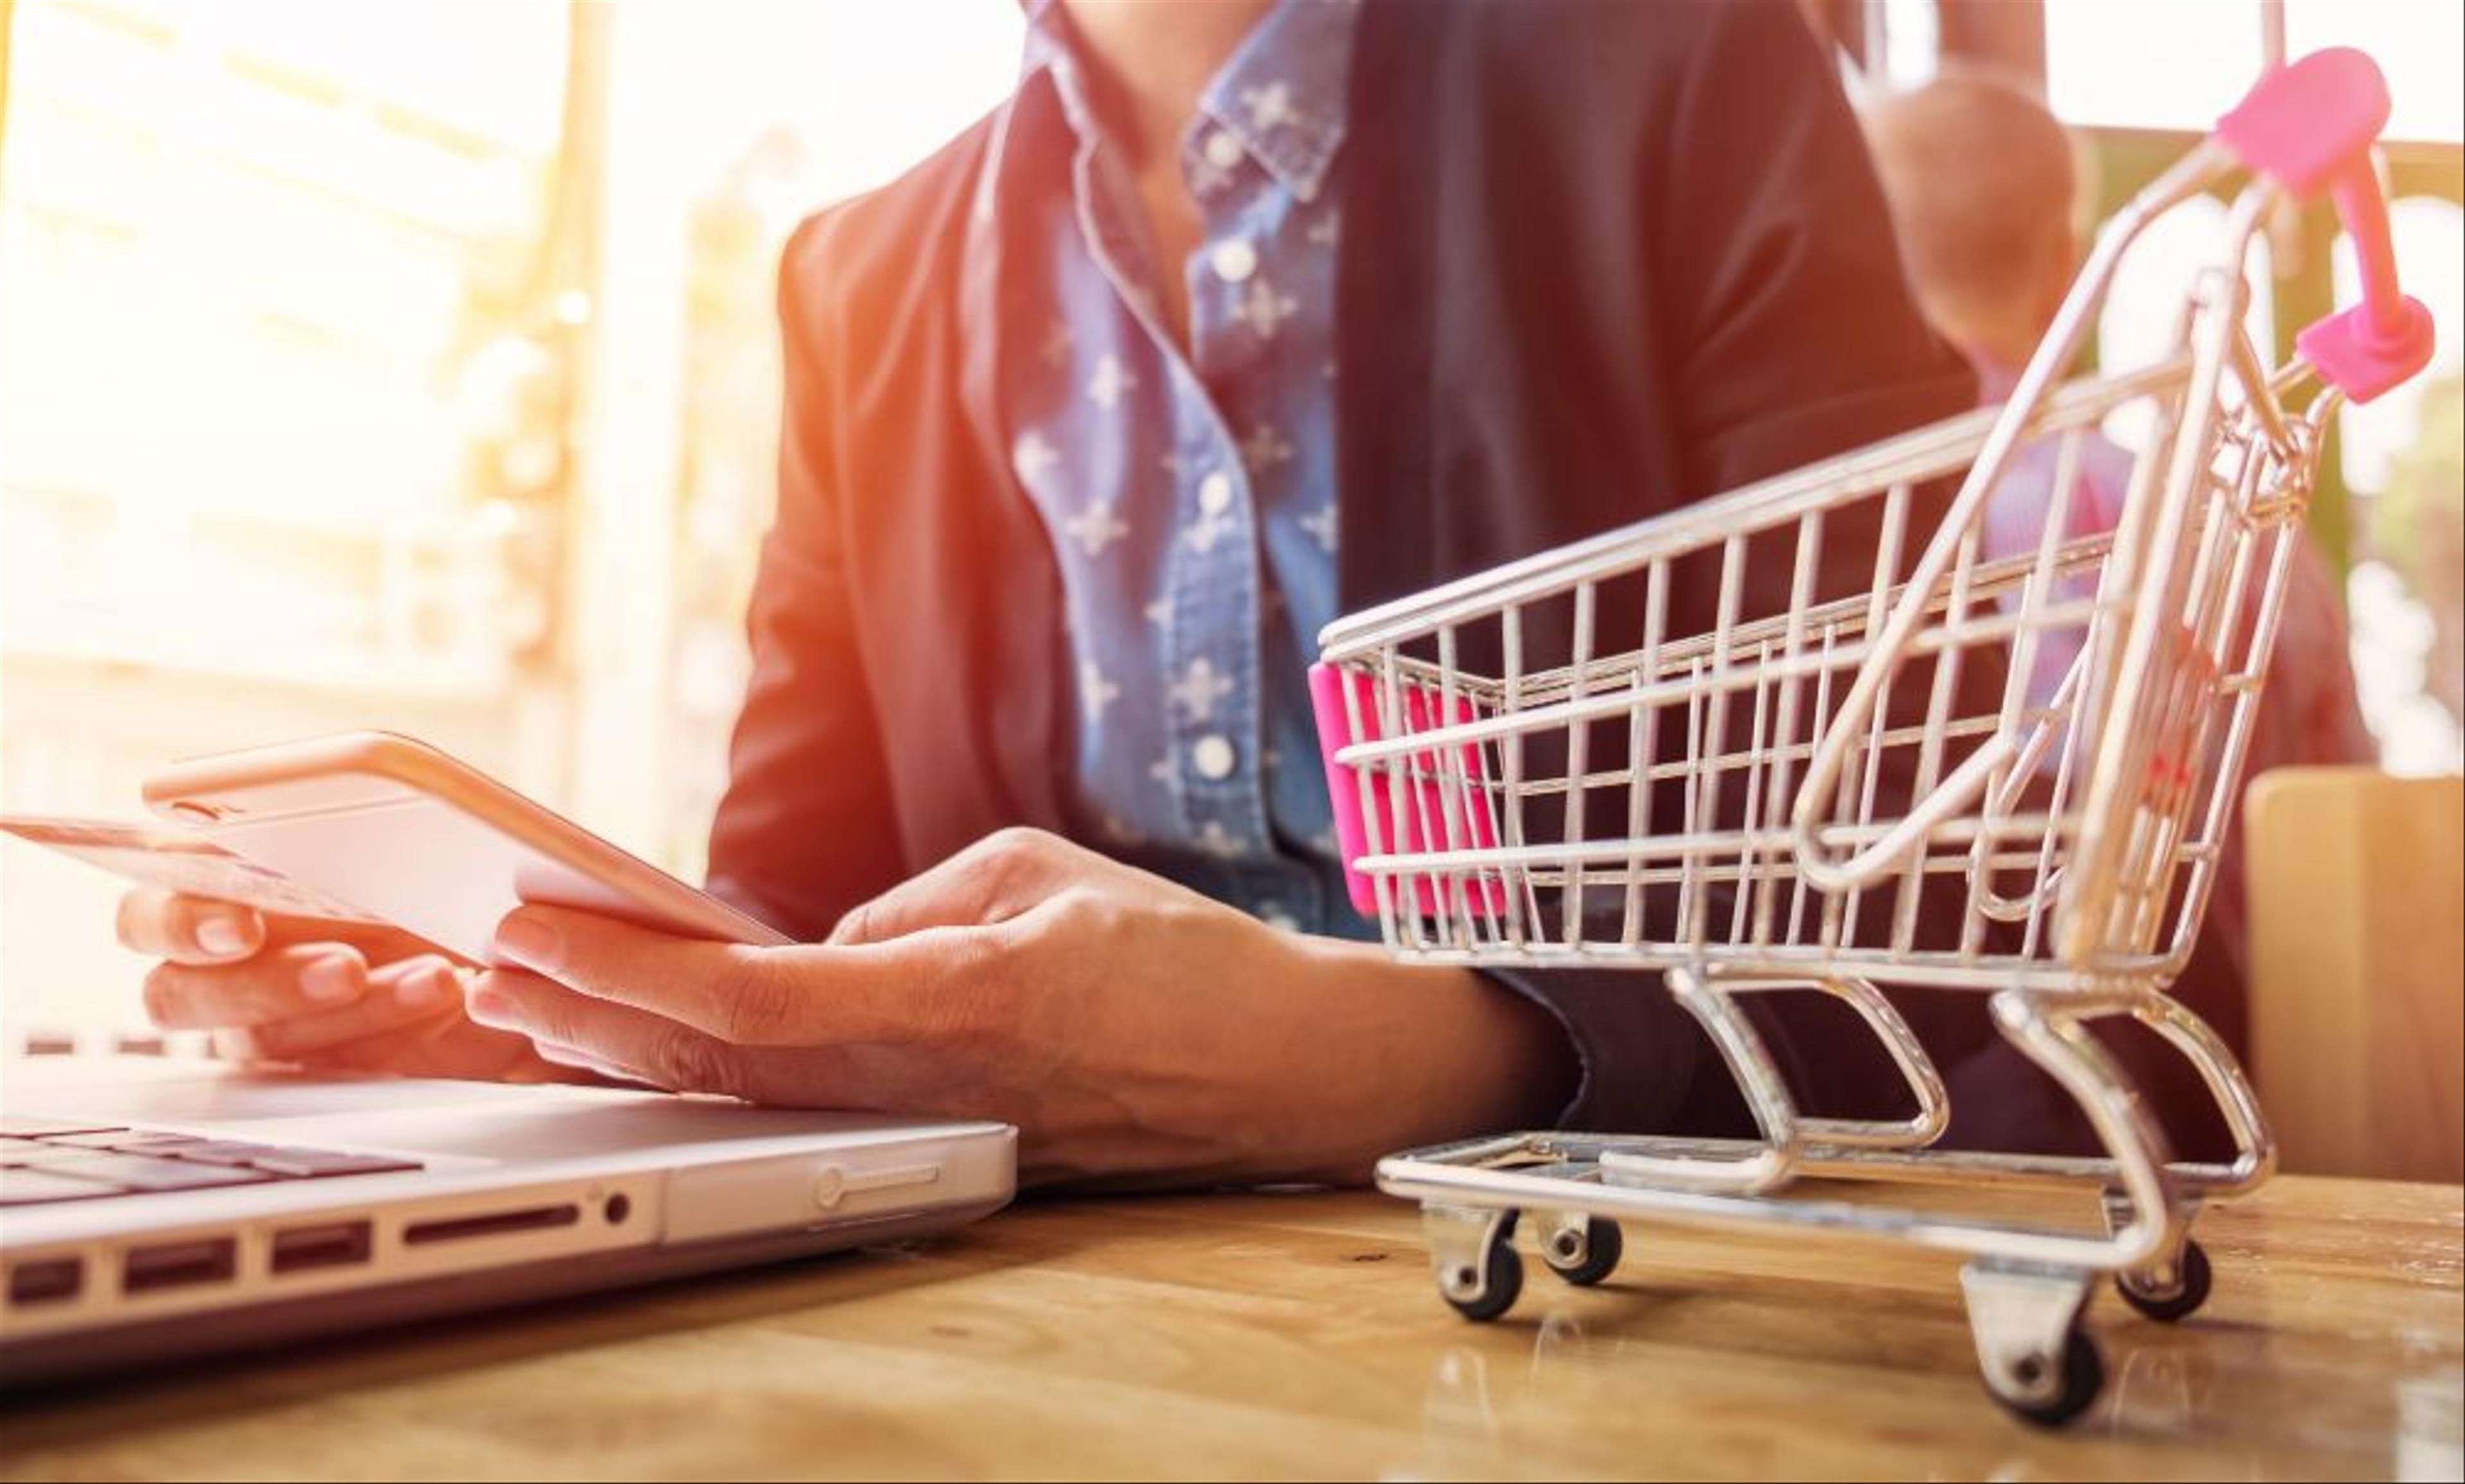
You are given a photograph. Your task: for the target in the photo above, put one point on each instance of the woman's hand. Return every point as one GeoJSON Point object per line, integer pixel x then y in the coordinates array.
{"type": "Point", "coordinates": [1135, 1032]}
{"type": "Point", "coordinates": [334, 995]}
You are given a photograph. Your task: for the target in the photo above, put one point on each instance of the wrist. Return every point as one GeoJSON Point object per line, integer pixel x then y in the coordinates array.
{"type": "Point", "coordinates": [1417, 1054]}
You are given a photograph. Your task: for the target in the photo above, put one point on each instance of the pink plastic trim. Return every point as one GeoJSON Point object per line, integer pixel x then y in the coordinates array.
{"type": "Point", "coordinates": [2309, 127]}
{"type": "Point", "coordinates": [2361, 358]}
{"type": "Point", "coordinates": [1475, 815]}
{"type": "Point", "coordinates": [2301, 124]}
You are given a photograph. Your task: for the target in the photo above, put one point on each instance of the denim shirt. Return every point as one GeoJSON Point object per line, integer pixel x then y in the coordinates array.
{"type": "Point", "coordinates": [1190, 498]}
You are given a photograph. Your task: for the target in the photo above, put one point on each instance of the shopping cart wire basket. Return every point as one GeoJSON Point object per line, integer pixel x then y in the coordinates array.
{"type": "Point", "coordinates": [1840, 731]}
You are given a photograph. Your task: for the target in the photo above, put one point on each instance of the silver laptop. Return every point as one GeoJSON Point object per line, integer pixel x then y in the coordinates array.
{"type": "Point", "coordinates": [152, 1211]}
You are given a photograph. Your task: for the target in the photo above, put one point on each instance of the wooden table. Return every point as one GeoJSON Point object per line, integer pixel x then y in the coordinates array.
{"type": "Point", "coordinates": [1298, 1335]}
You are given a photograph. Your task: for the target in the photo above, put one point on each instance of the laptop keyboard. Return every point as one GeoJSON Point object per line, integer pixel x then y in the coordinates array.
{"type": "Point", "coordinates": [45, 1161]}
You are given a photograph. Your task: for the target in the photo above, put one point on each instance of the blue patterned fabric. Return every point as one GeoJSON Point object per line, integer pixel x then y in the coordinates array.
{"type": "Point", "coordinates": [1190, 498]}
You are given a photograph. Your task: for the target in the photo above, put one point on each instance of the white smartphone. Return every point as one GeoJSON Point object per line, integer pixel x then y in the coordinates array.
{"type": "Point", "coordinates": [407, 835]}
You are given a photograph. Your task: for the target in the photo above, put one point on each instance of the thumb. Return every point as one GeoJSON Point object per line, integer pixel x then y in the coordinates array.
{"type": "Point", "coordinates": [1001, 877]}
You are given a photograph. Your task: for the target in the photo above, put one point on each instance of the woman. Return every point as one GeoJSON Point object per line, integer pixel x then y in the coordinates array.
{"type": "Point", "coordinates": [1233, 316]}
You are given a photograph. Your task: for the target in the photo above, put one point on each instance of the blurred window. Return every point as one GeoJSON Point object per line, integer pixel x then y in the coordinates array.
{"type": "Point", "coordinates": [408, 365]}
{"type": "Point", "coordinates": [253, 258]}
{"type": "Point", "coordinates": [245, 251]}
{"type": "Point", "coordinates": [2160, 64]}
{"type": "Point", "coordinates": [2177, 64]}
{"type": "Point", "coordinates": [2420, 44]}
{"type": "Point", "coordinates": [2141, 79]}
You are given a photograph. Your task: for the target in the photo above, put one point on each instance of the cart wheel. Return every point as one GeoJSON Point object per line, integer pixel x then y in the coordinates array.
{"type": "Point", "coordinates": [2190, 1289]}
{"type": "Point", "coordinates": [1603, 1245]}
{"type": "Point", "coordinates": [2083, 1378]}
{"type": "Point", "coordinates": [1502, 1273]}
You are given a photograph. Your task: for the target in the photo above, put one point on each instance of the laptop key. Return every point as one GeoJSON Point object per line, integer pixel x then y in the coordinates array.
{"type": "Point", "coordinates": [35, 1151]}
{"type": "Point", "coordinates": [218, 1151]}
{"type": "Point", "coordinates": [116, 1138]}
{"type": "Point", "coordinates": [42, 1187]}
{"type": "Point", "coordinates": [22, 1125]}
{"type": "Point", "coordinates": [137, 1172]}
{"type": "Point", "coordinates": [319, 1164]}
{"type": "Point", "coordinates": [156, 1143]}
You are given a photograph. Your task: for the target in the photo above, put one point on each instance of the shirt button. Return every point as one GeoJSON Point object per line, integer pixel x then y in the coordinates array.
{"type": "Point", "coordinates": [1213, 756]}
{"type": "Point", "coordinates": [1215, 492]}
{"type": "Point", "coordinates": [1223, 150]}
{"type": "Point", "coordinates": [1233, 261]}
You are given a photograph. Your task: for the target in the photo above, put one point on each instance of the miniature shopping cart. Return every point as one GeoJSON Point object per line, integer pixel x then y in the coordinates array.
{"type": "Point", "coordinates": [1833, 733]}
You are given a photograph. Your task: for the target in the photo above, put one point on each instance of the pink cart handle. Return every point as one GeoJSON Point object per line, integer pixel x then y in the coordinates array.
{"type": "Point", "coordinates": [2309, 126]}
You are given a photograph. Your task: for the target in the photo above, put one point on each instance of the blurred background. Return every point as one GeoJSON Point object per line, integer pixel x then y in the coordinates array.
{"type": "Point", "coordinates": [410, 363]}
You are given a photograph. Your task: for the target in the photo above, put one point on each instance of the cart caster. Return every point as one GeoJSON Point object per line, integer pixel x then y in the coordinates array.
{"type": "Point", "coordinates": [1502, 1283]}
{"type": "Point", "coordinates": [2030, 1350]}
{"type": "Point", "coordinates": [1584, 1250]}
{"type": "Point", "coordinates": [2179, 1301]}
{"type": "Point", "coordinates": [2082, 1377]}
{"type": "Point", "coordinates": [1473, 1250]}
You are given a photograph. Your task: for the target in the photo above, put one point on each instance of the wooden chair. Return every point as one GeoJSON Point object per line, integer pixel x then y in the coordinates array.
{"type": "Point", "coordinates": [2357, 892]}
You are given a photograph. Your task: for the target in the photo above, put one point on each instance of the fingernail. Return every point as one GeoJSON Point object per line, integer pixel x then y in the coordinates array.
{"type": "Point", "coordinates": [221, 934]}
{"type": "Point", "coordinates": [492, 1007]}
{"type": "Point", "coordinates": [426, 988]}
{"type": "Point", "coordinates": [331, 979]}
{"type": "Point", "coordinates": [529, 942]}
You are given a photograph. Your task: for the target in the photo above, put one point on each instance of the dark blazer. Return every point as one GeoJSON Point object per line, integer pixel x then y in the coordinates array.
{"type": "Point", "coordinates": [1602, 258]}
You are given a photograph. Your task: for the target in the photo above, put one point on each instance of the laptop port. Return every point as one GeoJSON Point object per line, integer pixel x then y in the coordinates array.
{"type": "Point", "coordinates": [46, 1281]}
{"type": "Point", "coordinates": [179, 1264]}
{"type": "Point", "coordinates": [335, 1245]}
{"type": "Point", "coordinates": [493, 1224]}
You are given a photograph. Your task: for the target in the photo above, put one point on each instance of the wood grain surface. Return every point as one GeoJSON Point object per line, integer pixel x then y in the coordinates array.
{"type": "Point", "coordinates": [1298, 1335]}
{"type": "Point", "coordinates": [2357, 969]}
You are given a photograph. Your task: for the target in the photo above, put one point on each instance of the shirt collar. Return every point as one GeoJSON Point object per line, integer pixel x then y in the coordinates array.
{"type": "Point", "coordinates": [1282, 92]}
{"type": "Point", "coordinates": [1047, 33]}
{"type": "Point", "coordinates": [1045, 55]}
